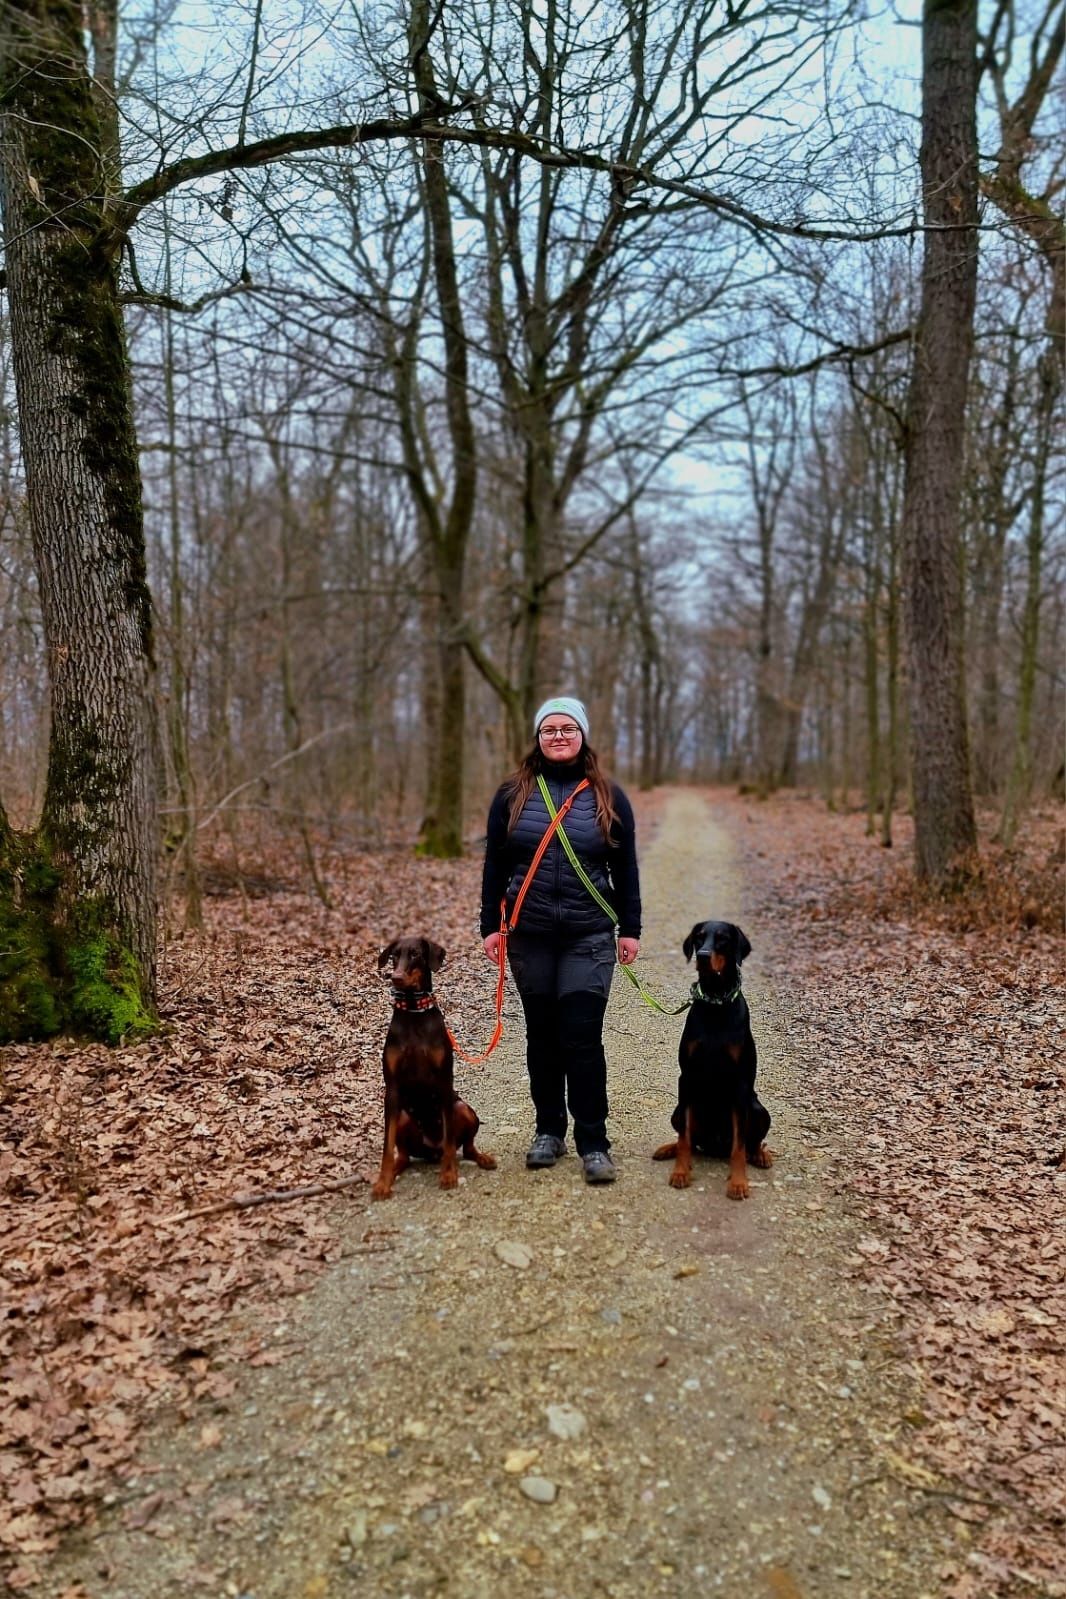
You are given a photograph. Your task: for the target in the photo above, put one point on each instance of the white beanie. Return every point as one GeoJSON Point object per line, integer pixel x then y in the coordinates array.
{"type": "Point", "coordinates": [563, 707]}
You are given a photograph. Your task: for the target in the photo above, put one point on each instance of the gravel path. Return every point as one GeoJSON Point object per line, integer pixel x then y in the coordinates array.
{"type": "Point", "coordinates": [731, 1412]}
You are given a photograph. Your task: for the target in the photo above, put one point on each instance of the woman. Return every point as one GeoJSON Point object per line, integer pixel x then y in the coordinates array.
{"type": "Point", "coordinates": [562, 951]}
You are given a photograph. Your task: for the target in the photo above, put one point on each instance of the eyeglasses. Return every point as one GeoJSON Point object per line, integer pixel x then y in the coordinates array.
{"type": "Point", "coordinates": [550, 734]}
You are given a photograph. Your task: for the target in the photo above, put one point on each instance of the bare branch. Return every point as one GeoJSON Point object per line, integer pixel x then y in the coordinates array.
{"type": "Point", "coordinates": [351, 135]}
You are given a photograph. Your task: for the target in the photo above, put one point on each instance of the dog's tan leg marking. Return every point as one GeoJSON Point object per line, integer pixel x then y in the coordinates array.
{"type": "Point", "coordinates": [449, 1165]}
{"type": "Point", "coordinates": [737, 1185]}
{"type": "Point", "coordinates": [387, 1175]}
{"type": "Point", "coordinates": [466, 1130]}
{"type": "Point", "coordinates": [681, 1176]}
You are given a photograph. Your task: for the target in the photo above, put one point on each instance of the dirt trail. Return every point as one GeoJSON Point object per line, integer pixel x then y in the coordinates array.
{"type": "Point", "coordinates": [742, 1402]}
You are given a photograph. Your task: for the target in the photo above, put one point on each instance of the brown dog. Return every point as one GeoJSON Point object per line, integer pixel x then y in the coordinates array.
{"type": "Point", "coordinates": [424, 1117]}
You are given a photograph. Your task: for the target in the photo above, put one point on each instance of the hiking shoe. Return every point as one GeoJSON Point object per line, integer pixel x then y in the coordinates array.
{"type": "Point", "coordinates": [545, 1150]}
{"type": "Point", "coordinates": [599, 1168]}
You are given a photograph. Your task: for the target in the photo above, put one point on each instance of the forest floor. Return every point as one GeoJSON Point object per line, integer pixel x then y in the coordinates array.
{"type": "Point", "coordinates": [851, 1384]}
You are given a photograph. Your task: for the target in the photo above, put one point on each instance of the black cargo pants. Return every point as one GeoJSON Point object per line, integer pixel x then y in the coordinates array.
{"type": "Point", "coordinates": [564, 984]}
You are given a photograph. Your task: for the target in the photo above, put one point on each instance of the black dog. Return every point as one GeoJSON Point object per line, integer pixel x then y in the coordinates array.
{"type": "Point", "coordinates": [718, 1111]}
{"type": "Point", "coordinates": [424, 1117]}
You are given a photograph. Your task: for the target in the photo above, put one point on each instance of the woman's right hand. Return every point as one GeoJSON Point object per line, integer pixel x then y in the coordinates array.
{"type": "Point", "coordinates": [492, 948]}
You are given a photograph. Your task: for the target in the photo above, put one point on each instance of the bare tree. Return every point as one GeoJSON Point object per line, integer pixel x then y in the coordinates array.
{"type": "Point", "coordinates": [990, 479]}
{"type": "Point", "coordinates": [824, 509]}
{"type": "Point", "coordinates": [82, 884]}
{"type": "Point", "coordinates": [945, 830]}
{"type": "Point", "coordinates": [1034, 212]}
{"type": "Point", "coordinates": [1036, 215]}
{"type": "Point", "coordinates": [1021, 774]}
{"type": "Point", "coordinates": [770, 449]}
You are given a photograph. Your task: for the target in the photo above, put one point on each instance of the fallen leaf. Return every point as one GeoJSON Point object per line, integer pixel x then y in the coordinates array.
{"type": "Point", "coordinates": [140, 1514]}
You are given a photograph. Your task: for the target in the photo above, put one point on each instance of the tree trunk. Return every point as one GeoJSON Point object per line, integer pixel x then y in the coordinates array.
{"type": "Point", "coordinates": [890, 760]}
{"type": "Point", "coordinates": [441, 833]}
{"type": "Point", "coordinates": [768, 709]}
{"type": "Point", "coordinates": [442, 829]}
{"type": "Point", "coordinates": [846, 752]}
{"type": "Point", "coordinates": [1021, 776]}
{"type": "Point", "coordinates": [181, 840]}
{"type": "Point", "coordinates": [988, 649]}
{"type": "Point", "coordinates": [826, 726]}
{"type": "Point", "coordinates": [870, 679]}
{"type": "Point", "coordinates": [805, 654]}
{"type": "Point", "coordinates": [945, 833]}
{"type": "Point", "coordinates": [993, 515]}
{"type": "Point", "coordinates": [292, 723]}
{"type": "Point", "coordinates": [649, 666]}
{"type": "Point", "coordinates": [79, 894]}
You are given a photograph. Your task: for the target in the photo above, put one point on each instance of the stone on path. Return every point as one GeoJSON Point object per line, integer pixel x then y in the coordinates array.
{"type": "Point", "coordinates": [512, 1253]}
{"type": "Point", "coordinates": [539, 1489]}
{"type": "Point", "coordinates": [566, 1421]}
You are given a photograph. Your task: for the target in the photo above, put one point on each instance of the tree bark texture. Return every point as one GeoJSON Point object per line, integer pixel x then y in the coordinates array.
{"type": "Point", "coordinates": [931, 544]}
{"type": "Point", "coordinates": [98, 825]}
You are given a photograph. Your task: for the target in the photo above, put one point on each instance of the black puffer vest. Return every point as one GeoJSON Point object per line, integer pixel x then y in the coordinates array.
{"type": "Point", "coordinates": [557, 900]}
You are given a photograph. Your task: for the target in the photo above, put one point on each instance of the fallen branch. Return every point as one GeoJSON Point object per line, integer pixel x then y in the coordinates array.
{"type": "Point", "coordinates": [275, 1196]}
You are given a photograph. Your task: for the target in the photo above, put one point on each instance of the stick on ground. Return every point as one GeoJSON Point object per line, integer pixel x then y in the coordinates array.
{"type": "Point", "coordinates": [275, 1196]}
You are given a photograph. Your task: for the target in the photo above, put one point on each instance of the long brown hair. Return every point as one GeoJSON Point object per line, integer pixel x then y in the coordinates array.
{"type": "Point", "coordinates": [523, 781]}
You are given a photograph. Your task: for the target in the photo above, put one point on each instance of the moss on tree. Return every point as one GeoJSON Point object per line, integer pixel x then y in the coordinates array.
{"type": "Point", "coordinates": [102, 987]}
{"type": "Point", "coordinates": [61, 970]}
{"type": "Point", "coordinates": [28, 1007]}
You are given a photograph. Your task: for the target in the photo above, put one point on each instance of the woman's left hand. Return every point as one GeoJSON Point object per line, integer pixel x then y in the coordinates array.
{"type": "Point", "coordinates": [628, 950]}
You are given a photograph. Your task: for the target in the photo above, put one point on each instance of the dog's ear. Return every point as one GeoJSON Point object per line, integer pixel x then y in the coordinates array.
{"type": "Point", "coordinates": [743, 947]}
{"type": "Point", "coordinates": [693, 939]}
{"type": "Point", "coordinates": [434, 954]}
{"type": "Point", "coordinates": [386, 954]}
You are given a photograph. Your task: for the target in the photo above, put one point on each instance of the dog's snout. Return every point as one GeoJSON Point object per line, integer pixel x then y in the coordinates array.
{"type": "Point", "coordinates": [404, 966]}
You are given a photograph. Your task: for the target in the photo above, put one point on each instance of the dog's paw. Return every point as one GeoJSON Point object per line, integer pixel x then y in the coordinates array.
{"type": "Point", "coordinates": [680, 1177]}
{"type": "Point", "coordinates": [486, 1162]}
{"type": "Point", "coordinates": [665, 1151]}
{"type": "Point", "coordinates": [737, 1188]}
{"type": "Point", "coordinates": [449, 1177]}
{"type": "Point", "coordinates": [762, 1157]}
{"type": "Point", "coordinates": [381, 1190]}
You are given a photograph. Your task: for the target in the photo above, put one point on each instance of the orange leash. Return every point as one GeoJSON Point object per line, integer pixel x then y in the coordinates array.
{"type": "Point", "coordinates": [501, 952]}
{"type": "Point", "coordinates": [541, 847]}
{"type": "Point", "coordinates": [497, 1031]}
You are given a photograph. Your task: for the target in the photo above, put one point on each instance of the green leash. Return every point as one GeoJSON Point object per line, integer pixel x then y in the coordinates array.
{"type": "Point", "coordinates": [646, 995]}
